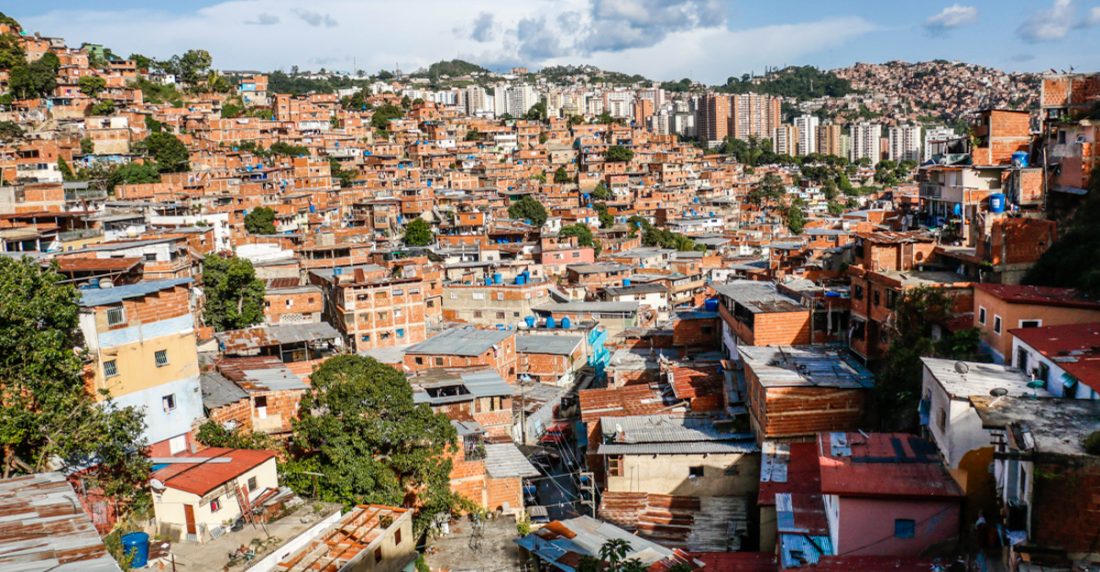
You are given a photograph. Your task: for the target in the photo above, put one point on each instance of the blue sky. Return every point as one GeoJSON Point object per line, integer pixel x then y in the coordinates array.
{"type": "Point", "coordinates": [707, 40]}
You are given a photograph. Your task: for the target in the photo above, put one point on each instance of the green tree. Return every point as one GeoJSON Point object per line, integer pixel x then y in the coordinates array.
{"type": "Point", "coordinates": [769, 190]}
{"type": "Point", "coordinates": [49, 421]}
{"type": "Point", "coordinates": [619, 154]}
{"type": "Point", "coordinates": [260, 220]}
{"type": "Point", "coordinates": [234, 296]}
{"type": "Point", "coordinates": [34, 79]}
{"type": "Point", "coordinates": [581, 231]}
{"type": "Point", "coordinates": [284, 148]}
{"type": "Point", "coordinates": [214, 434]}
{"type": "Point", "coordinates": [561, 176]}
{"type": "Point", "coordinates": [10, 131]}
{"type": "Point", "coordinates": [607, 220]}
{"type": "Point", "coordinates": [613, 552]}
{"type": "Point", "coordinates": [169, 152]}
{"type": "Point", "coordinates": [193, 66]}
{"type": "Point", "coordinates": [143, 63]}
{"type": "Point", "coordinates": [67, 173]}
{"type": "Point", "coordinates": [91, 85]}
{"type": "Point", "coordinates": [361, 430]}
{"type": "Point", "coordinates": [105, 107]}
{"type": "Point", "coordinates": [133, 174]}
{"type": "Point", "coordinates": [796, 219]}
{"type": "Point", "coordinates": [835, 208]}
{"type": "Point", "coordinates": [1071, 261]}
{"type": "Point", "coordinates": [601, 192]}
{"type": "Point", "coordinates": [537, 112]}
{"type": "Point", "coordinates": [11, 51]}
{"type": "Point", "coordinates": [231, 110]}
{"type": "Point", "coordinates": [574, 120]}
{"type": "Point", "coordinates": [917, 315]}
{"type": "Point", "coordinates": [345, 176]}
{"type": "Point", "coordinates": [383, 114]}
{"type": "Point", "coordinates": [529, 208]}
{"type": "Point", "coordinates": [418, 233]}
{"type": "Point", "coordinates": [473, 135]}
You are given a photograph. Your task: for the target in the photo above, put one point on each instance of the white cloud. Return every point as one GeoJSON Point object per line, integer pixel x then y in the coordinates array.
{"type": "Point", "coordinates": [951, 17]}
{"type": "Point", "coordinates": [1049, 24]}
{"type": "Point", "coordinates": [682, 37]}
{"type": "Point", "coordinates": [1093, 18]}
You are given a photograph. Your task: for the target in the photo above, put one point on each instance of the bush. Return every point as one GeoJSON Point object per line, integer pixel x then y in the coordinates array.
{"type": "Point", "coordinates": [1092, 443]}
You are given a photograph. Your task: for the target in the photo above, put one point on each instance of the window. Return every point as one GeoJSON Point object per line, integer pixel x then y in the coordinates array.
{"type": "Point", "coordinates": [251, 484]}
{"type": "Point", "coordinates": [858, 292]}
{"type": "Point", "coordinates": [400, 332]}
{"type": "Point", "coordinates": [477, 313]}
{"type": "Point", "coordinates": [261, 401]}
{"type": "Point", "coordinates": [161, 357]}
{"type": "Point", "coordinates": [365, 338]}
{"type": "Point", "coordinates": [215, 505]}
{"type": "Point", "coordinates": [941, 419]}
{"type": "Point", "coordinates": [362, 297]}
{"type": "Point", "coordinates": [397, 537]}
{"type": "Point", "coordinates": [419, 361]}
{"type": "Point", "coordinates": [695, 472]}
{"type": "Point", "coordinates": [168, 402]}
{"type": "Point", "coordinates": [614, 465]}
{"type": "Point", "coordinates": [1044, 372]}
{"type": "Point", "coordinates": [438, 361]}
{"type": "Point", "coordinates": [500, 315]}
{"type": "Point", "coordinates": [891, 298]}
{"type": "Point", "coordinates": [981, 316]}
{"type": "Point", "coordinates": [1021, 359]}
{"type": "Point", "coordinates": [1031, 323]}
{"type": "Point", "coordinates": [905, 528]}
{"type": "Point", "coordinates": [378, 554]}
{"type": "Point", "coordinates": [875, 296]}
{"type": "Point", "coordinates": [997, 325]}
{"type": "Point", "coordinates": [110, 368]}
{"type": "Point", "coordinates": [116, 316]}
{"type": "Point", "coordinates": [478, 295]}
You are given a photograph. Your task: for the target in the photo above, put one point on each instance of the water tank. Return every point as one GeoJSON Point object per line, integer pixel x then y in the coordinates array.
{"type": "Point", "coordinates": [497, 278]}
{"type": "Point", "coordinates": [626, 283]}
{"type": "Point", "coordinates": [566, 323]}
{"type": "Point", "coordinates": [711, 304]}
{"type": "Point", "coordinates": [1019, 159]}
{"type": "Point", "coordinates": [136, 544]}
{"type": "Point", "coordinates": [488, 281]}
{"type": "Point", "coordinates": [550, 323]}
{"type": "Point", "coordinates": [530, 321]}
{"type": "Point", "coordinates": [520, 280]}
{"type": "Point", "coordinates": [997, 203]}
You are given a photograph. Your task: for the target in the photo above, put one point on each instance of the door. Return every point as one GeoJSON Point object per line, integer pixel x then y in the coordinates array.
{"type": "Point", "coordinates": [189, 518]}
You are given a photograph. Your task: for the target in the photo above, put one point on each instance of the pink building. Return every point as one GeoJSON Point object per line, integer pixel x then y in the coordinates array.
{"type": "Point", "coordinates": [886, 494]}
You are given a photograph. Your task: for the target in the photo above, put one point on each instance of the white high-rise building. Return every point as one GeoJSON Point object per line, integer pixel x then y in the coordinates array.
{"type": "Point", "coordinates": [865, 142]}
{"type": "Point", "coordinates": [807, 134]}
{"type": "Point", "coordinates": [514, 100]}
{"type": "Point", "coordinates": [936, 140]}
{"type": "Point", "coordinates": [785, 140]}
{"type": "Point", "coordinates": [905, 143]}
{"type": "Point", "coordinates": [476, 100]}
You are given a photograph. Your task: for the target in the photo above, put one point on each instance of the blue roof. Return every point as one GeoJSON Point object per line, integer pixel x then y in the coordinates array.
{"type": "Point", "coordinates": [103, 296]}
{"type": "Point", "coordinates": [800, 549]}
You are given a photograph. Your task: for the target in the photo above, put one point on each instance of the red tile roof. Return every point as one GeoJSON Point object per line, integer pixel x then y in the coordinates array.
{"type": "Point", "coordinates": [884, 465]}
{"type": "Point", "coordinates": [201, 478]}
{"type": "Point", "coordinates": [1041, 295]}
{"type": "Point", "coordinates": [1074, 348]}
{"type": "Point", "coordinates": [619, 402]}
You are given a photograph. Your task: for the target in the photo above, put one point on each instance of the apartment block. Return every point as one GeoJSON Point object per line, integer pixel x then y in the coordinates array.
{"type": "Point", "coordinates": [372, 308]}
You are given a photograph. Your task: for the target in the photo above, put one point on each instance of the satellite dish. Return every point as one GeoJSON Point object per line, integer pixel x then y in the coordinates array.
{"type": "Point", "coordinates": [157, 485]}
{"type": "Point", "coordinates": [962, 368]}
{"type": "Point", "coordinates": [998, 392]}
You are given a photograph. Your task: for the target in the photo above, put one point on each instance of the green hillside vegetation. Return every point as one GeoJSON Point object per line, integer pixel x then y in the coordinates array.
{"type": "Point", "coordinates": [451, 68]}
{"type": "Point", "coordinates": [798, 82]}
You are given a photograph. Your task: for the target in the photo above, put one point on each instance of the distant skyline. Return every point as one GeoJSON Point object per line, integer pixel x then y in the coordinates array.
{"type": "Point", "coordinates": [706, 40]}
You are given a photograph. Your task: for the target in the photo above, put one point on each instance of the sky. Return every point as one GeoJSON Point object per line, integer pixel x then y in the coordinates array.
{"type": "Point", "coordinates": [706, 40]}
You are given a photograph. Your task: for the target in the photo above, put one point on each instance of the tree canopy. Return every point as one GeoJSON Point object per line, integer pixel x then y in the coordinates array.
{"type": "Point", "coordinates": [528, 208]}
{"type": "Point", "coordinates": [361, 430]}
{"type": "Point", "coordinates": [234, 296]}
{"type": "Point", "coordinates": [581, 231]}
{"type": "Point", "coordinates": [561, 176]}
{"type": "Point", "coordinates": [91, 85]}
{"type": "Point", "coordinates": [1071, 261]}
{"type": "Point", "coordinates": [796, 82]}
{"type": "Point", "coordinates": [168, 151]}
{"type": "Point", "coordinates": [383, 114]}
{"type": "Point", "coordinates": [34, 79]}
{"type": "Point", "coordinates": [260, 220]}
{"type": "Point", "coordinates": [49, 421]}
{"type": "Point", "coordinates": [619, 154]}
{"type": "Point", "coordinates": [418, 233]}
{"type": "Point", "coordinates": [769, 190]}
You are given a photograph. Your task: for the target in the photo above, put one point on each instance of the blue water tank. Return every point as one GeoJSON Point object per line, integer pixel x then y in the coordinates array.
{"type": "Point", "coordinates": [711, 304]}
{"type": "Point", "coordinates": [488, 281]}
{"type": "Point", "coordinates": [520, 280]}
{"type": "Point", "coordinates": [136, 544]}
{"type": "Point", "coordinates": [497, 278]}
{"type": "Point", "coordinates": [997, 203]}
{"type": "Point", "coordinates": [550, 322]}
{"type": "Point", "coordinates": [530, 321]}
{"type": "Point", "coordinates": [626, 283]}
{"type": "Point", "coordinates": [566, 323]}
{"type": "Point", "coordinates": [1019, 159]}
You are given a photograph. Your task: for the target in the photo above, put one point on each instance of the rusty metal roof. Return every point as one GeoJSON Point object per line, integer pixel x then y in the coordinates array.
{"type": "Point", "coordinates": [43, 527]}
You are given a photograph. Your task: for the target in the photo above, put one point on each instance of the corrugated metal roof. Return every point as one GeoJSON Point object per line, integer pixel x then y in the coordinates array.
{"type": "Point", "coordinates": [758, 297]}
{"type": "Point", "coordinates": [697, 448]}
{"type": "Point", "coordinates": [585, 307]}
{"type": "Point", "coordinates": [547, 344]}
{"type": "Point", "coordinates": [243, 341]}
{"type": "Point", "coordinates": [465, 341]}
{"type": "Point", "coordinates": [103, 296]}
{"type": "Point", "coordinates": [217, 391]}
{"type": "Point", "coordinates": [504, 460]}
{"type": "Point", "coordinates": [666, 429]}
{"type": "Point", "coordinates": [797, 550]}
{"type": "Point", "coordinates": [43, 527]}
{"type": "Point", "coordinates": [805, 366]}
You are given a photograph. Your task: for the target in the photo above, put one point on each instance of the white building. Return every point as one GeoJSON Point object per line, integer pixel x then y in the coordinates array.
{"type": "Point", "coordinates": [905, 143]}
{"type": "Point", "coordinates": [935, 141]}
{"type": "Point", "coordinates": [807, 134]}
{"type": "Point", "coordinates": [865, 142]}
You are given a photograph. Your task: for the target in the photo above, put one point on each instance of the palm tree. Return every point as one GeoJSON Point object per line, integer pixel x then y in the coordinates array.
{"type": "Point", "coordinates": [613, 551]}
